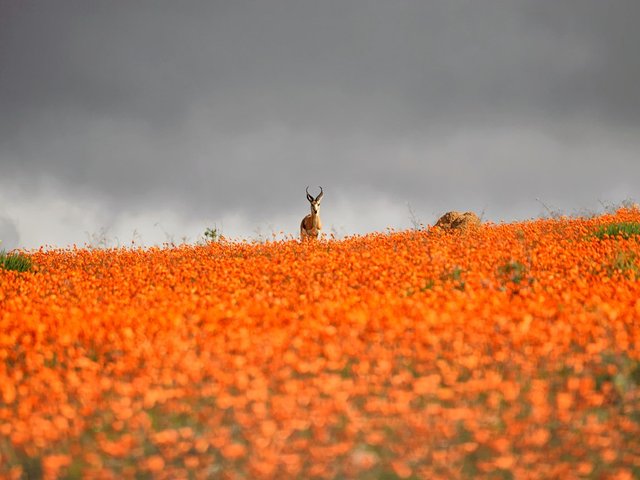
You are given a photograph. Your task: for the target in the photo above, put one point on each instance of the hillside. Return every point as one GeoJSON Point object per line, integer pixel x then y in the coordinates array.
{"type": "Point", "coordinates": [509, 351]}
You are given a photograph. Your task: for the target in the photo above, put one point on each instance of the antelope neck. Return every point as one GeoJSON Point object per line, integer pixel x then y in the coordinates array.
{"type": "Point", "coordinates": [314, 219]}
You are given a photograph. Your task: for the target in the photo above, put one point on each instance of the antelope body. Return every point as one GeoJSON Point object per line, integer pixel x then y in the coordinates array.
{"type": "Point", "coordinates": [311, 224]}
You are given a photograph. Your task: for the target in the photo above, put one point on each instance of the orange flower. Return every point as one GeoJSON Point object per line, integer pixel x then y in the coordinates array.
{"type": "Point", "coordinates": [155, 463]}
{"type": "Point", "coordinates": [564, 400]}
{"type": "Point", "coordinates": [8, 392]}
{"type": "Point", "coordinates": [504, 462]}
{"type": "Point", "coordinates": [426, 385]}
{"type": "Point", "coordinates": [401, 469]}
{"type": "Point", "coordinates": [539, 437]}
{"type": "Point", "coordinates": [234, 451]}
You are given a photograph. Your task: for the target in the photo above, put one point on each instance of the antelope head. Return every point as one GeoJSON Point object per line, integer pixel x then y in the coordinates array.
{"type": "Point", "coordinates": [315, 202]}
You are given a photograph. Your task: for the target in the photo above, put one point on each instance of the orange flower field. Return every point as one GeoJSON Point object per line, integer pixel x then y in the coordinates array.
{"type": "Point", "coordinates": [509, 351]}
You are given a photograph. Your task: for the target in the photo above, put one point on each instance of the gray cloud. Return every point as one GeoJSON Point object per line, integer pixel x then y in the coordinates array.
{"type": "Point", "coordinates": [220, 109]}
{"type": "Point", "coordinates": [607, 86]}
{"type": "Point", "coordinates": [9, 236]}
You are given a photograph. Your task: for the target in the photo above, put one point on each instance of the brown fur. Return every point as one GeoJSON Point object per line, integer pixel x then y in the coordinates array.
{"type": "Point", "coordinates": [310, 226]}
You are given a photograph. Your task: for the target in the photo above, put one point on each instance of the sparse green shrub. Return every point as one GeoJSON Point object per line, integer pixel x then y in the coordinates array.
{"type": "Point", "coordinates": [212, 235]}
{"type": "Point", "coordinates": [620, 229]}
{"type": "Point", "coordinates": [15, 261]}
{"type": "Point", "coordinates": [624, 262]}
{"type": "Point", "coordinates": [512, 271]}
{"type": "Point", "coordinates": [619, 370]}
{"type": "Point", "coordinates": [454, 276]}
{"type": "Point", "coordinates": [429, 284]}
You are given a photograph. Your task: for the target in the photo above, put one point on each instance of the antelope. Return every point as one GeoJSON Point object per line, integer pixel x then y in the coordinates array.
{"type": "Point", "coordinates": [311, 224]}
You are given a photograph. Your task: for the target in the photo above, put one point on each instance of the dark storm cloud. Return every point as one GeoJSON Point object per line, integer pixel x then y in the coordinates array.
{"type": "Point", "coordinates": [608, 85]}
{"type": "Point", "coordinates": [236, 106]}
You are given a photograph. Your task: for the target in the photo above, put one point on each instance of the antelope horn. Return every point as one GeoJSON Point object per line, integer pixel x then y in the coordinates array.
{"type": "Point", "coordinates": [319, 196]}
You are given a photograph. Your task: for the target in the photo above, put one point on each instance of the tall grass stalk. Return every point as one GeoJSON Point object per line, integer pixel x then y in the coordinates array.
{"type": "Point", "coordinates": [15, 261]}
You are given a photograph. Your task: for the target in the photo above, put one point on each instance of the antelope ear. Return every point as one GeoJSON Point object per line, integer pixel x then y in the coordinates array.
{"type": "Point", "coordinates": [319, 197]}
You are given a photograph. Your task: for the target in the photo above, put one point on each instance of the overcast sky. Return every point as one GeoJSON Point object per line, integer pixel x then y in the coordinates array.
{"type": "Point", "coordinates": [150, 121]}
